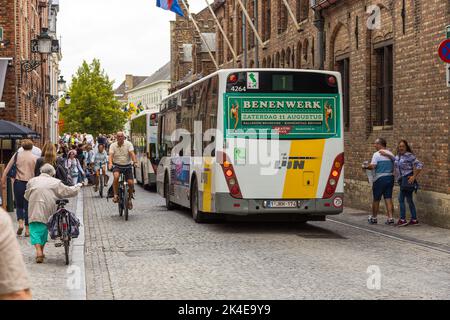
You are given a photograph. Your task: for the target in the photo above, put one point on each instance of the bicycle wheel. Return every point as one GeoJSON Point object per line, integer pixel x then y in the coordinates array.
{"type": "Point", "coordinates": [120, 203]}
{"type": "Point", "coordinates": [125, 201]}
{"type": "Point", "coordinates": [66, 250]}
{"type": "Point", "coordinates": [101, 185]}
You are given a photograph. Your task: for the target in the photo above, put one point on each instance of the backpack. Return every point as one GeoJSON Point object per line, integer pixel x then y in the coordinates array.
{"type": "Point", "coordinates": [62, 173]}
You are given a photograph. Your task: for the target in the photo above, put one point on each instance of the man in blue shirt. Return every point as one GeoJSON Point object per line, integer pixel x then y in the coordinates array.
{"type": "Point", "coordinates": [383, 183]}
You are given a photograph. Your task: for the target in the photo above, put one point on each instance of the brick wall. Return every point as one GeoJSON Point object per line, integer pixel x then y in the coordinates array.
{"type": "Point", "coordinates": [25, 93]}
{"type": "Point", "coordinates": [183, 32]}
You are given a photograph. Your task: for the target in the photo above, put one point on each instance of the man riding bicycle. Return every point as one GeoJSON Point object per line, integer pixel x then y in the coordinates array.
{"type": "Point", "coordinates": [99, 160]}
{"type": "Point", "coordinates": [121, 160]}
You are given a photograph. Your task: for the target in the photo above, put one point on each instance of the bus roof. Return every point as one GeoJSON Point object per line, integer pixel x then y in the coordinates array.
{"type": "Point", "coordinates": [143, 113]}
{"type": "Point", "coordinates": [221, 71]}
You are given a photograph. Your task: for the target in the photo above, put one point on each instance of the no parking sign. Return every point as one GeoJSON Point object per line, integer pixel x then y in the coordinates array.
{"type": "Point", "coordinates": [444, 51]}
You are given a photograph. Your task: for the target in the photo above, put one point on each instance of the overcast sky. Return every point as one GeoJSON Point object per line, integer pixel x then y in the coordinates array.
{"type": "Point", "coordinates": [128, 36]}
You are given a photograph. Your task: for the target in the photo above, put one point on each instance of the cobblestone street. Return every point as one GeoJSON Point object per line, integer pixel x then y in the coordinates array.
{"type": "Point", "coordinates": [165, 255]}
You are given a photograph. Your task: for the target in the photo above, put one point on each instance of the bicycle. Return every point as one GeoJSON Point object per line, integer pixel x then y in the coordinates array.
{"type": "Point", "coordinates": [63, 227]}
{"type": "Point", "coordinates": [123, 192]}
{"type": "Point", "coordinates": [102, 180]}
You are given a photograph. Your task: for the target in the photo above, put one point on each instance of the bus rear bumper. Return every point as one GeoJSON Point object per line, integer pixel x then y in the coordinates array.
{"type": "Point", "coordinates": [225, 204]}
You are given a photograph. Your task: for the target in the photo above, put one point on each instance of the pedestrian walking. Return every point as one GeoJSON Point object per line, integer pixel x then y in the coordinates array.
{"type": "Point", "coordinates": [383, 181]}
{"type": "Point", "coordinates": [74, 166]}
{"type": "Point", "coordinates": [407, 168]}
{"type": "Point", "coordinates": [21, 169]}
{"type": "Point", "coordinates": [14, 281]}
{"type": "Point", "coordinates": [50, 157]}
{"type": "Point", "coordinates": [42, 193]}
{"type": "Point", "coordinates": [35, 150]}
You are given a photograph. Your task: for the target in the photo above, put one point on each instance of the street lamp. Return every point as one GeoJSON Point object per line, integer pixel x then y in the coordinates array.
{"type": "Point", "coordinates": [43, 44]}
{"type": "Point", "coordinates": [62, 84]}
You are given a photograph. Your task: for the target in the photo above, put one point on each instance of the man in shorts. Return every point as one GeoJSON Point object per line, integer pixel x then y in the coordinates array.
{"type": "Point", "coordinates": [121, 160]}
{"type": "Point", "coordinates": [383, 183]}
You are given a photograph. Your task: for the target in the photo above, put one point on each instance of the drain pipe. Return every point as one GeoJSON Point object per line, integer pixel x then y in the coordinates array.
{"type": "Point", "coordinates": [319, 23]}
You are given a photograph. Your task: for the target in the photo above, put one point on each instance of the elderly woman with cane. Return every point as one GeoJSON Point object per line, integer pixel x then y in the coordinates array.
{"type": "Point", "coordinates": [42, 193]}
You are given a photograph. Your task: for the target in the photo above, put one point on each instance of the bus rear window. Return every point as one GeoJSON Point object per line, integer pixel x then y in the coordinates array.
{"type": "Point", "coordinates": [281, 82]}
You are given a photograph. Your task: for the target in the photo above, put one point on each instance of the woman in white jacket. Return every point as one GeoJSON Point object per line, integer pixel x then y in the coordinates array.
{"type": "Point", "coordinates": [42, 193]}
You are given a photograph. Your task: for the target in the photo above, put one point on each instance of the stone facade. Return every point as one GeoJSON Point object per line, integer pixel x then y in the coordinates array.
{"type": "Point", "coordinates": [189, 58]}
{"type": "Point", "coordinates": [26, 94]}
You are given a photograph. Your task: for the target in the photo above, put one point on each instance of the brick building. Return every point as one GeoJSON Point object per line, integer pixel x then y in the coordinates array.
{"type": "Point", "coordinates": [190, 59]}
{"type": "Point", "coordinates": [28, 95]}
{"type": "Point", "coordinates": [394, 83]}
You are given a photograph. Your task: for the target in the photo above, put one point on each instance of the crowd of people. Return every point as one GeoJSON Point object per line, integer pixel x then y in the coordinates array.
{"type": "Point", "coordinates": [41, 176]}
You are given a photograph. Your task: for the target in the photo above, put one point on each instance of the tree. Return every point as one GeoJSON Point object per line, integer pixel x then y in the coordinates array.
{"type": "Point", "coordinates": [93, 108]}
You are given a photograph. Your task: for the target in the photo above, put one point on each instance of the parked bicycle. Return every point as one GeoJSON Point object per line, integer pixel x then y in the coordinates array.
{"type": "Point", "coordinates": [63, 223]}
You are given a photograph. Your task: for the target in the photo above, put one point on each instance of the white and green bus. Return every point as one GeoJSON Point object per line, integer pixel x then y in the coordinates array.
{"type": "Point", "coordinates": [143, 136]}
{"type": "Point", "coordinates": [243, 142]}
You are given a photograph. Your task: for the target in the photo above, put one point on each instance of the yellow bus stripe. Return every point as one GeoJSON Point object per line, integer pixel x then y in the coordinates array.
{"type": "Point", "coordinates": [303, 183]}
{"type": "Point", "coordinates": [207, 178]}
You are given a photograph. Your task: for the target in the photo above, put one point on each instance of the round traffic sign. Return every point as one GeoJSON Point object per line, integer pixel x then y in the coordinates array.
{"type": "Point", "coordinates": [444, 51]}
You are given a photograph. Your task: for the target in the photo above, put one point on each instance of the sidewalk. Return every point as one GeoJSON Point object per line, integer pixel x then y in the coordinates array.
{"type": "Point", "coordinates": [422, 234]}
{"type": "Point", "coordinates": [53, 280]}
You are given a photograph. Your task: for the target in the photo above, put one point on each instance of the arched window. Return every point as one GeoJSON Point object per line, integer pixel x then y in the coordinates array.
{"type": "Point", "coordinates": [277, 60]}
{"type": "Point", "coordinates": [282, 17]}
{"type": "Point", "coordinates": [305, 50]}
{"type": "Point", "coordinates": [239, 32]}
{"type": "Point", "coordinates": [299, 55]}
{"type": "Point", "coordinates": [251, 35]}
{"type": "Point", "coordinates": [266, 19]}
{"type": "Point", "coordinates": [283, 56]}
{"type": "Point", "coordinates": [269, 62]}
{"type": "Point", "coordinates": [302, 10]}
{"type": "Point", "coordinates": [288, 58]}
{"type": "Point", "coordinates": [264, 63]}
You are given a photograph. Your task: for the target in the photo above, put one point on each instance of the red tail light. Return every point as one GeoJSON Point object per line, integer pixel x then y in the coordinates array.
{"type": "Point", "coordinates": [230, 175]}
{"type": "Point", "coordinates": [334, 176]}
{"type": "Point", "coordinates": [332, 81]}
{"type": "Point", "coordinates": [232, 78]}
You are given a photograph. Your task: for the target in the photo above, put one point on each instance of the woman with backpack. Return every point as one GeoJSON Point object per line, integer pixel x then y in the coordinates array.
{"type": "Point", "coordinates": [49, 156]}
{"type": "Point", "coordinates": [74, 166]}
{"type": "Point", "coordinates": [407, 168]}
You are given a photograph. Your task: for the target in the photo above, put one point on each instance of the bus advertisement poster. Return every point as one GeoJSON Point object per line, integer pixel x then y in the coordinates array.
{"type": "Point", "coordinates": [298, 115]}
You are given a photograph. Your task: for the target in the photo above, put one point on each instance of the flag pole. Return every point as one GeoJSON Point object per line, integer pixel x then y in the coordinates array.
{"type": "Point", "coordinates": [291, 13]}
{"type": "Point", "coordinates": [223, 32]}
{"type": "Point", "coordinates": [201, 35]}
{"type": "Point", "coordinates": [250, 22]}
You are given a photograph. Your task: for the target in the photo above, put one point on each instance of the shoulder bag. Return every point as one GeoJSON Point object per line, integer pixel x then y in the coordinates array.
{"type": "Point", "coordinates": [405, 186]}
{"type": "Point", "coordinates": [13, 171]}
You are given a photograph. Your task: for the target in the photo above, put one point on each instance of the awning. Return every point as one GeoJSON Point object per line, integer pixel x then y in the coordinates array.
{"type": "Point", "coordinates": [12, 130]}
{"type": "Point", "coordinates": [3, 67]}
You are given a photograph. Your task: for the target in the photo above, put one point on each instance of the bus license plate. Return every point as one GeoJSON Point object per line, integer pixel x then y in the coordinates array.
{"type": "Point", "coordinates": [281, 204]}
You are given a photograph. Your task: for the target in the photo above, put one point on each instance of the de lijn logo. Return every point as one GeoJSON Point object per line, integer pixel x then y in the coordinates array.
{"type": "Point", "coordinates": [253, 80]}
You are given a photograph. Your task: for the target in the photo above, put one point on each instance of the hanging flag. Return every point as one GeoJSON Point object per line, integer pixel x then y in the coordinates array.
{"type": "Point", "coordinates": [171, 5]}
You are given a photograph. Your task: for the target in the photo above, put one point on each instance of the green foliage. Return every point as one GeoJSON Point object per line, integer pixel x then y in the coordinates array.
{"type": "Point", "coordinates": [93, 108]}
